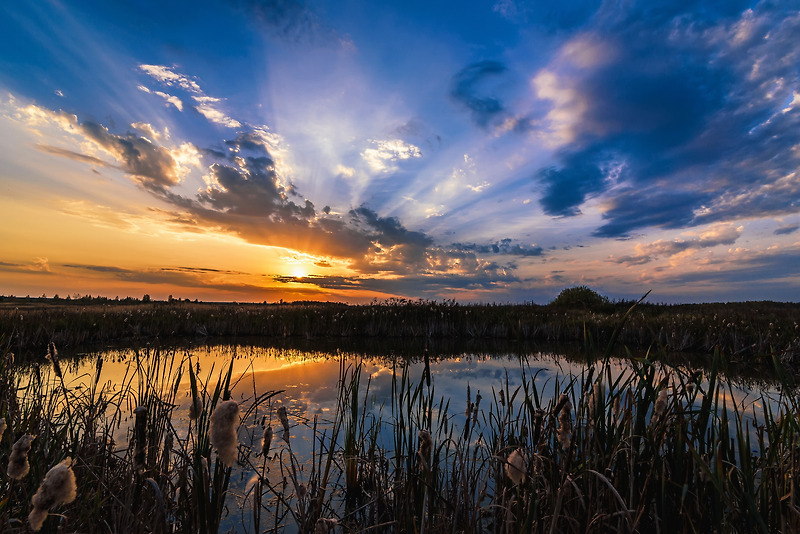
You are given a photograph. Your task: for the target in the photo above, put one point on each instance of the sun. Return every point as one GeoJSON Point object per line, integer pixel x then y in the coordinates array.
{"type": "Point", "coordinates": [299, 271]}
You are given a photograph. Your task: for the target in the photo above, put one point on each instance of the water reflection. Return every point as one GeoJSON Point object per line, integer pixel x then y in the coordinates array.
{"type": "Point", "coordinates": [308, 381]}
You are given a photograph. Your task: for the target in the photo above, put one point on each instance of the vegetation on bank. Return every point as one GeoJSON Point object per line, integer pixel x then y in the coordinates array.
{"type": "Point", "coordinates": [740, 330]}
{"type": "Point", "coordinates": [653, 448]}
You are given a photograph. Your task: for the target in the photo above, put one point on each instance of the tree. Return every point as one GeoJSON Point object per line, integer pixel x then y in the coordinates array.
{"type": "Point", "coordinates": [580, 297]}
{"type": "Point", "coordinates": [146, 298]}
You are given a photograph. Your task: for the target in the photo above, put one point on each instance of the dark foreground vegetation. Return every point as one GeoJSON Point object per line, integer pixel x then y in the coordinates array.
{"type": "Point", "coordinates": [653, 449]}
{"type": "Point", "coordinates": [738, 329]}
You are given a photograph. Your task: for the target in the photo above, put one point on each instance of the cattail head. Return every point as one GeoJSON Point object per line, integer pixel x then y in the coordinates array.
{"type": "Point", "coordinates": [52, 355]}
{"type": "Point", "coordinates": [660, 404]}
{"type": "Point", "coordinates": [140, 438]}
{"type": "Point", "coordinates": [18, 465]}
{"type": "Point", "coordinates": [57, 487]}
{"type": "Point", "coordinates": [425, 448]}
{"type": "Point", "coordinates": [564, 421]}
{"type": "Point", "coordinates": [2, 427]}
{"type": "Point", "coordinates": [517, 467]}
{"type": "Point", "coordinates": [223, 437]}
{"type": "Point", "coordinates": [266, 441]}
{"type": "Point", "coordinates": [195, 408]}
{"type": "Point", "coordinates": [285, 422]}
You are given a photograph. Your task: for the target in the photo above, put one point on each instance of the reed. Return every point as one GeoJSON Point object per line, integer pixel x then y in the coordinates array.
{"type": "Point", "coordinates": [652, 447]}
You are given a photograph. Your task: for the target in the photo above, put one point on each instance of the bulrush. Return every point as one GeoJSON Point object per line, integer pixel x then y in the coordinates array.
{"type": "Point", "coordinates": [564, 421]}
{"type": "Point", "coordinates": [140, 437]}
{"type": "Point", "coordinates": [223, 431]}
{"type": "Point", "coordinates": [18, 465]}
{"type": "Point", "coordinates": [196, 408]}
{"type": "Point", "coordinates": [285, 422]}
{"type": "Point", "coordinates": [57, 487]}
{"type": "Point", "coordinates": [266, 440]}
{"type": "Point", "coordinates": [660, 405]}
{"type": "Point", "coordinates": [425, 448]}
{"type": "Point", "coordinates": [517, 467]}
{"type": "Point", "coordinates": [2, 427]}
{"type": "Point", "coordinates": [52, 355]}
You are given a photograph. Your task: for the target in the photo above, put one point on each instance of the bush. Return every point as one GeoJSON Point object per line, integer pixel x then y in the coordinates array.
{"type": "Point", "coordinates": [580, 297]}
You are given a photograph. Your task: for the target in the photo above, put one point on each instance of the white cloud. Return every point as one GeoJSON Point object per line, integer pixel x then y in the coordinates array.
{"type": "Point", "coordinates": [170, 99]}
{"type": "Point", "coordinates": [206, 108]}
{"type": "Point", "coordinates": [169, 77]}
{"type": "Point", "coordinates": [386, 152]}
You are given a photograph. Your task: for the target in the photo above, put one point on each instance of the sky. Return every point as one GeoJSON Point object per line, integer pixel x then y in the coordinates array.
{"type": "Point", "coordinates": [497, 151]}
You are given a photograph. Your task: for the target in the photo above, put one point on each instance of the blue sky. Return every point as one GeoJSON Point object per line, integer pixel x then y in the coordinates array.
{"type": "Point", "coordinates": [485, 151]}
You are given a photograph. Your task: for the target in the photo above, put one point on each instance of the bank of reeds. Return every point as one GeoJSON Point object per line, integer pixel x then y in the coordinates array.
{"type": "Point", "coordinates": [741, 330]}
{"type": "Point", "coordinates": [649, 448]}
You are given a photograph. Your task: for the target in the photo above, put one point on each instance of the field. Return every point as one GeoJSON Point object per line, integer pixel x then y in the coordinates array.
{"type": "Point", "coordinates": [654, 448]}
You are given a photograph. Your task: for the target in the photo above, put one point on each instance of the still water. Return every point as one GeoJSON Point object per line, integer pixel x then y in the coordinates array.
{"type": "Point", "coordinates": [306, 382]}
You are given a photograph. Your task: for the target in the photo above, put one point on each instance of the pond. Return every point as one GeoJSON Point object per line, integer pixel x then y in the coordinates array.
{"type": "Point", "coordinates": [366, 423]}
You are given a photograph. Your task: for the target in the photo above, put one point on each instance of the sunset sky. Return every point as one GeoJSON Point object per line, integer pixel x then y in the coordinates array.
{"type": "Point", "coordinates": [493, 151]}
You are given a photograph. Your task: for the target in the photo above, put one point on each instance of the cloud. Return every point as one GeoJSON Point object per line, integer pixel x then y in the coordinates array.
{"type": "Point", "coordinates": [385, 153]}
{"type": "Point", "coordinates": [468, 90]}
{"type": "Point", "coordinates": [503, 247]}
{"type": "Point", "coordinates": [207, 107]}
{"type": "Point", "coordinates": [674, 135]}
{"type": "Point", "coordinates": [293, 22]}
{"type": "Point", "coordinates": [170, 99]}
{"type": "Point", "coordinates": [786, 230]}
{"type": "Point", "coordinates": [69, 154]}
{"type": "Point", "coordinates": [722, 234]}
{"type": "Point", "coordinates": [658, 206]}
{"type": "Point", "coordinates": [167, 76]}
{"type": "Point", "coordinates": [154, 166]}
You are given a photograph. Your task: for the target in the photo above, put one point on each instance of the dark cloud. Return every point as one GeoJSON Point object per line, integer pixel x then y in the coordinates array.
{"type": "Point", "coordinates": [658, 206]}
{"type": "Point", "coordinates": [469, 90]}
{"type": "Point", "coordinates": [188, 277]}
{"type": "Point", "coordinates": [248, 141]}
{"type": "Point", "coordinates": [567, 186]}
{"type": "Point", "coordinates": [694, 125]}
{"type": "Point", "coordinates": [503, 246]}
{"type": "Point", "coordinates": [785, 230]}
{"type": "Point", "coordinates": [152, 165]}
{"type": "Point", "coordinates": [69, 154]}
{"type": "Point", "coordinates": [289, 20]}
{"type": "Point", "coordinates": [761, 275]}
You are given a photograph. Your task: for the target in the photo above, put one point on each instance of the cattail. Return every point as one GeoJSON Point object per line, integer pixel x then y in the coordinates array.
{"type": "Point", "coordinates": [18, 465]}
{"type": "Point", "coordinates": [98, 368]}
{"type": "Point", "coordinates": [285, 422]}
{"type": "Point", "coordinates": [57, 487]}
{"type": "Point", "coordinates": [564, 421]}
{"type": "Point", "coordinates": [660, 405]}
{"type": "Point", "coordinates": [425, 448]}
{"type": "Point", "coordinates": [475, 410]}
{"type": "Point", "coordinates": [223, 431]}
{"type": "Point", "coordinates": [2, 427]}
{"type": "Point", "coordinates": [266, 440]}
{"type": "Point", "coordinates": [140, 436]}
{"type": "Point", "coordinates": [52, 355]}
{"type": "Point", "coordinates": [302, 491]}
{"type": "Point", "coordinates": [517, 467]}
{"type": "Point", "coordinates": [196, 408]}
{"type": "Point", "coordinates": [324, 525]}
{"type": "Point", "coordinates": [597, 400]}
{"type": "Point", "coordinates": [502, 398]}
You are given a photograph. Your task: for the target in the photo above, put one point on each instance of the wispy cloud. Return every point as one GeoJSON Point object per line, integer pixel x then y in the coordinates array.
{"type": "Point", "coordinates": [718, 235]}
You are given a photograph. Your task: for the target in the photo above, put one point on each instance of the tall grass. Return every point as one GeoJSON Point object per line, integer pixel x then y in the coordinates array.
{"type": "Point", "coordinates": [646, 447]}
